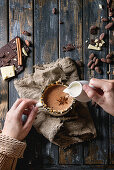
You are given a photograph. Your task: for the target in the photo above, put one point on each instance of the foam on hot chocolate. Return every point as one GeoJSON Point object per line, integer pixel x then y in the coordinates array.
{"type": "Point", "coordinates": [56, 99]}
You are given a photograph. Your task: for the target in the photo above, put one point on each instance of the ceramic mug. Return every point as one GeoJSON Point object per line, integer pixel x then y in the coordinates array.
{"type": "Point", "coordinates": [41, 104]}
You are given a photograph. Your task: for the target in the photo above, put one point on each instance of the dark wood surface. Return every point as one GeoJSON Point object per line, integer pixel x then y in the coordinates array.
{"type": "Point", "coordinates": [48, 37]}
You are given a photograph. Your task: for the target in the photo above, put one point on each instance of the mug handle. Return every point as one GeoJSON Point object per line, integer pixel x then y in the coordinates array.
{"type": "Point", "coordinates": [39, 104]}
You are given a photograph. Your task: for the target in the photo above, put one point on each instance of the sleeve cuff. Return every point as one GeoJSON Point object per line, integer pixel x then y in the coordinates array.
{"type": "Point", "coordinates": [11, 147]}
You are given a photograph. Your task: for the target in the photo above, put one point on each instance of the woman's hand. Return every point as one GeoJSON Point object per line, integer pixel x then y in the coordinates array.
{"type": "Point", "coordinates": [103, 95]}
{"type": "Point", "coordinates": [13, 126]}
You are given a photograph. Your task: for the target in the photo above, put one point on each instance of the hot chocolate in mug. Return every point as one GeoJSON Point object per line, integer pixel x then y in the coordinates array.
{"type": "Point", "coordinates": [72, 93]}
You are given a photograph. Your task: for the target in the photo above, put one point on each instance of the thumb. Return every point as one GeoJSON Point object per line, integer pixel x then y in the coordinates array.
{"type": "Point", "coordinates": [30, 119]}
{"type": "Point", "coordinates": [92, 94]}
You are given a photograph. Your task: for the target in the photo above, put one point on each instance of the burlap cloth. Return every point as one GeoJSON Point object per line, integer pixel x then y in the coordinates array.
{"type": "Point", "coordinates": [77, 125]}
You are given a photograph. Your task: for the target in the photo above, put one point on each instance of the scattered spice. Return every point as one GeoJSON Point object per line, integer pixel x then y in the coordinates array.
{"type": "Point", "coordinates": [26, 33]}
{"type": "Point", "coordinates": [69, 47]}
{"type": "Point", "coordinates": [63, 100]}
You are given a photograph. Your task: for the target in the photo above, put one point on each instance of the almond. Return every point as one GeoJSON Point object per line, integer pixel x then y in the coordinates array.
{"type": "Point", "coordinates": [102, 36]}
{"type": "Point", "coordinates": [93, 66]}
{"type": "Point", "coordinates": [94, 59]}
{"type": "Point", "coordinates": [109, 56]}
{"type": "Point", "coordinates": [90, 63]}
{"type": "Point", "coordinates": [27, 43]}
{"type": "Point", "coordinates": [91, 56]}
{"type": "Point", "coordinates": [108, 60]}
{"type": "Point", "coordinates": [97, 61]}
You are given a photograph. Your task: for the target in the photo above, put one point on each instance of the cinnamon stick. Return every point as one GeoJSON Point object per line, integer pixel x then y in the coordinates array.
{"type": "Point", "coordinates": [19, 51]}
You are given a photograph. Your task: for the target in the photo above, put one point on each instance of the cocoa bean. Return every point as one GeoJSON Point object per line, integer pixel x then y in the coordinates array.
{"type": "Point", "coordinates": [93, 66]}
{"type": "Point", "coordinates": [110, 14]}
{"type": "Point", "coordinates": [90, 63]}
{"type": "Point", "coordinates": [97, 62]}
{"type": "Point", "coordinates": [104, 19]}
{"type": "Point", "coordinates": [26, 33]}
{"type": "Point", "coordinates": [102, 36]}
{"type": "Point", "coordinates": [91, 56]}
{"type": "Point", "coordinates": [98, 70]}
{"type": "Point", "coordinates": [108, 26]}
{"type": "Point", "coordinates": [112, 19]}
{"type": "Point", "coordinates": [94, 59]}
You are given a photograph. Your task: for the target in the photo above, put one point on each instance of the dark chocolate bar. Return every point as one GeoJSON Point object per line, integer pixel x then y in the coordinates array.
{"type": "Point", "coordinates": [8, 55]}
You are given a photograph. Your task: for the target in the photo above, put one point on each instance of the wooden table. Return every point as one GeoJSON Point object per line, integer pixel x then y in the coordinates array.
{"type": "Point", "coordinates": [48, 38]}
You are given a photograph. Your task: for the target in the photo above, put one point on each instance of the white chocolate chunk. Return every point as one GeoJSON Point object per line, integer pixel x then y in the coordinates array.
{"type": "Point", "coordinates": [8, 72]}
{"type": "Point", "coordinates": [92, 47]}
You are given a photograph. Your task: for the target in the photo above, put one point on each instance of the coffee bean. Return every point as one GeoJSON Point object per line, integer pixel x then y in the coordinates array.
{"type": "Point", "coordinates": [94, 59]}
{"type": "Point", "coordinates": [97, 61]}
{"type": "Point", "coordinates": [98, 70]}
{"type": "Point", "coordinates": [90, 63]}
{"type": "Point", "coordinates": [91, 56]}
{"type": "Point", "coordinates": [93, 66]}
{"type": "Point", "coordinates": [108, 26]}
{"type": "Point", "coordinates": [102, 36]}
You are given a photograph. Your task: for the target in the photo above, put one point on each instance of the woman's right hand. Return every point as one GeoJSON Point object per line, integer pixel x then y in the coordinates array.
{"type": "Point", "coordinates": [104, 99]}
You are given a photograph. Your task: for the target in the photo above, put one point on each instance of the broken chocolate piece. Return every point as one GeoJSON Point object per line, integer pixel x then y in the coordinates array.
{"type": "Point", "coordinates": [93, 29]}
{"type": "Point", "coordinates": [69, 47]}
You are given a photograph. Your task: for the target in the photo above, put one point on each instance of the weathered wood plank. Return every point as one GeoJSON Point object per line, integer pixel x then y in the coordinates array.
{"type": "Point", "coordinates": [95, 152]}
{"type": "Point", "coordinates": [45, 51]}
{"type": "Point", "coordinates": [71, 32]}
{"type": "Point", "coordinates": [111, 118]}
{"type": "Point", "coordinates": [3, 41]}
{"type": "Point", "coordinates": [20, 19]}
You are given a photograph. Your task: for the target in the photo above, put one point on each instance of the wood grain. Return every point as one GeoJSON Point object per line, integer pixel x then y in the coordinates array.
{"type": "Point", "coordinates": [45, 51]}
{"type": "Point", "coordinates": [3, 41]}
{"type": "Point", "coordinates": [95, 152]}
{"type": "Point", "coordinates": [71, 32]}
{"type": "Point", "coordinates": [20, 19]}
{"type": "Point", "coordinates": [111, 118]}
